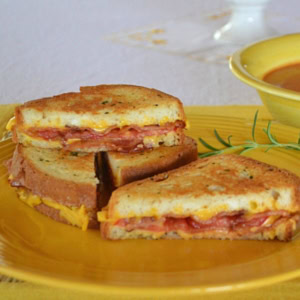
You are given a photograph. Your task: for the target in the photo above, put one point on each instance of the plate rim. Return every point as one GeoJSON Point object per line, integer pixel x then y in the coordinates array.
{"type": "Point", "coordinates": [116, 290]}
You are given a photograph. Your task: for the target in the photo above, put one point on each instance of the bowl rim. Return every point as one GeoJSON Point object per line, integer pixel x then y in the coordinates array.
{"type": "Point", "coordinates": [241, 73]}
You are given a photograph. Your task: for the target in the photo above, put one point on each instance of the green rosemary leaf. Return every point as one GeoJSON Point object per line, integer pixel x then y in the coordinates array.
{"type": "Point", "coordinates": [293, 147]}
{"type": "Point", "coordinates": [220, 139]}
{"type": "Point", "coordinates": [208, 146]}
{"type": "Point", "coordinates": [269, 133]}
{"type": "Point", "coordinates": [207, 154]}
{"type": "Point", "coordinates": [274, 138]}
{"type": "Point", "coordinates": [254, 126]}
{"type": "Point", "coordinates": [229, 140]}
{"type": "Point", "coordinates": [248, 145]}
{"type": "Point", "coordinates": [270, 136]}
{"type": "Point", "coordinates": [245, 150]}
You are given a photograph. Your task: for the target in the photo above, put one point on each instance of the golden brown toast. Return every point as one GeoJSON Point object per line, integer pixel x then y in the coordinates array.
{"type": "Point", "coordinates": [124, 168]}
{"type": "Point", "coordinates": [62, 185]}
{"type": "Point", "coordinates": [99, 118]}
{"type": "Point", "coordinates": [253, 200]}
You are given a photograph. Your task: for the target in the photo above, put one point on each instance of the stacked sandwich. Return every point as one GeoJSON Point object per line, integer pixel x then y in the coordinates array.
{"type": "Point", "coordinates": [74, 148]}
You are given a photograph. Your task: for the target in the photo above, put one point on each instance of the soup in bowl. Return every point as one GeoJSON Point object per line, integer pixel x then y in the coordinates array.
{"type": "Point", "coordinates": [273, 67]}
{"type": "Point", "coordinates": [287, 77]}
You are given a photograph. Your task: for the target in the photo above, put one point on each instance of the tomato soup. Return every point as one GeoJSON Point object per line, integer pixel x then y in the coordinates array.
{"type": "Point", "coordinates": [287, 77]}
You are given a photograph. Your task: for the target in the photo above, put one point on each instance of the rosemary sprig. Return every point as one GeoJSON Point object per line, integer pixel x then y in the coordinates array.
{"type": "Point", "coordinates": [249, 144]}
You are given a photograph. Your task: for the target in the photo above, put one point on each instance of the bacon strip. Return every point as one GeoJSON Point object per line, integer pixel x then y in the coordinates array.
{"type": "Point", "coordinates": [125, 139]}
{"type": "Point", "coordinates": [222, 221]}
{"type": "Point", "coordinates": [111, 132]}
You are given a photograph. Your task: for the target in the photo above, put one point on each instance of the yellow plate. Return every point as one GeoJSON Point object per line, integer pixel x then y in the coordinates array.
{"type": "Point", "coordinates": [35, 248]}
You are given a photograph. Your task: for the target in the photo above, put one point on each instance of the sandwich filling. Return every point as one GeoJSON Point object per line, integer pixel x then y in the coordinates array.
{"type": "Point", "coordinates": [238, 222]}
{"type": "Point", "coordinates": [128, 138]}
{"type": "Point", "coordinates": [57, 184]}
{"type": "Point", "coordinates": [76, 216]}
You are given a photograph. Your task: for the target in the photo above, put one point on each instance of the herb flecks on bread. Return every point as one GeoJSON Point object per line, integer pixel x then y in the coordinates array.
{"type": "Point", "coordinates": [59, 182]}
{"type": "Point", "coordinates": [224, 196]}
{"type": "Point", "coordinates": [102, 118]}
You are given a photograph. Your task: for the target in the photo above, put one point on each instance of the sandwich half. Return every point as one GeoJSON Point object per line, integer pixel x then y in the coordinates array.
{"type": "Point", "coordinates": [61, 185]}
{"type": "Point", "coordinates": [124, 168]}
{"type": "Point", "coordinates": [220, 197]}
{"type": "Point", "coordinates": [122, 118]}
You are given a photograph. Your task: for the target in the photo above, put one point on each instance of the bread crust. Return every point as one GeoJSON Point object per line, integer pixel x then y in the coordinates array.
{"type": "Point", "coordinates": [66, 192]}
{"type": "Point", "coordinates": [97, 93]}
{"type": "Point", "coordinates": [110, 102]}
{"type": "Point", "coordinates": [125, 167]}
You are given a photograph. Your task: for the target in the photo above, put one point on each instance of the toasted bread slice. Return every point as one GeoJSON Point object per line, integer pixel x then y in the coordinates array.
{"type": "Point", "coordinates": [101, 118]}
{"type": "Point", "coordinates": [128, 167]}
{"type": "Point", "coordinates": [62, 185]}
{"type": "Point", "coordinates": [225, 196]}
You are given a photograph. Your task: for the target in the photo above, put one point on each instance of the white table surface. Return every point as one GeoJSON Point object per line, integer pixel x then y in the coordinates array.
{"type": "Point", "coordinates": [50, 47]}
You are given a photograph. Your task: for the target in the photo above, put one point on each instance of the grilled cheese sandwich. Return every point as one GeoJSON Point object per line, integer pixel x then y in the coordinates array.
{"type": "Point", "coordinates": [62, 185]}
{"type": "Point", "coordinates": [224, 197]}
{"type": "Point", "coordinates": [101, 118]}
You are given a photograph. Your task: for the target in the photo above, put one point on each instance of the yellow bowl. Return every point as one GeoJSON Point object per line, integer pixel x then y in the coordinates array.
{"type": "Point", "coordinates": [253, 62]}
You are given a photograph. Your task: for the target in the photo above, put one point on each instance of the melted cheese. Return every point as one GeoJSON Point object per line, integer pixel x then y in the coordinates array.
{"type": "Point", "coordinates": [29, 199]}
{"type": "Point", "coordinates": [152, 140]}
{"type": "Point", "coordinates": [74, 215]}
{"type": "Point", "coordinates": [102, 125]}
{"type": "Point", "coordinates": [163, 121]}
{"type": "Point", "coordinates": [187, 125]}
{"type": "Point", "coordinates": [208, 213]}
{"type": "Point", "coordinates": [203, 215]}
{"type": "Point", "coordinates": [71, 141]}
{"type": "Point", "coordinates": [103, 217]}
{"type": "Point", "coordinates": [11, 123]}
{"type": "Point", "coordinates": [26, 139]}
{"type": "Point", "coordinates": [36, 141]}
{"type": "Point", "coordinates": [98, 126]}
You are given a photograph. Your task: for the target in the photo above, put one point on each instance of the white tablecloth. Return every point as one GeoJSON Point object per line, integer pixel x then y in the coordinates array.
{"type": "Point", "coordinates": [49, 47]}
